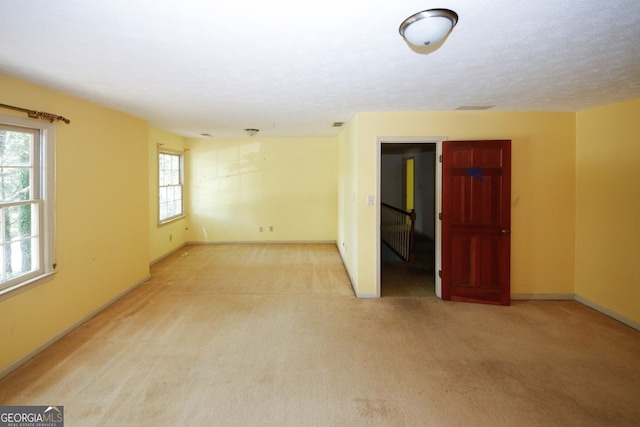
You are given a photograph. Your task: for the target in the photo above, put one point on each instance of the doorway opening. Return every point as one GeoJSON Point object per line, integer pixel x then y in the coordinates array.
{"type": "Point", "coordinates": [409, 178]}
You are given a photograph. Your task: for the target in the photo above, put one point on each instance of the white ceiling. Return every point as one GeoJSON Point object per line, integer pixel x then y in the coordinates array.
{"type": "Point", "coordinates": [292, 67]}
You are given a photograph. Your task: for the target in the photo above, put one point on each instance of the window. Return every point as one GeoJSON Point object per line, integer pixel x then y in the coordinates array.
{"type": "Point", "coordinates": [26, 203]}
{"type": "Point", "coordinates": [170, 174]}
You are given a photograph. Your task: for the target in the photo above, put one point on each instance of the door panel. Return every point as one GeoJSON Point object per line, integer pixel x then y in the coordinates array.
{"type": "Point", "coordinates": [476, 209]}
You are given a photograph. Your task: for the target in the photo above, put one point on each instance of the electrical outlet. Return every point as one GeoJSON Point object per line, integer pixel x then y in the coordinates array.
{"type": "Point", "coordinates": [261, 229]}
{"type": "Point", "coordinates": [271, 228]}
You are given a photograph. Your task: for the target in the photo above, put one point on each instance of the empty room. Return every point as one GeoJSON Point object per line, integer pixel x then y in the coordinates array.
{"type": "Point", "coordinates": [325, 213]}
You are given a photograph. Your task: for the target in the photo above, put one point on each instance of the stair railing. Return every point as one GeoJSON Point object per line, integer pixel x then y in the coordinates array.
{"type": "Point", "coordinates": [396, 228]}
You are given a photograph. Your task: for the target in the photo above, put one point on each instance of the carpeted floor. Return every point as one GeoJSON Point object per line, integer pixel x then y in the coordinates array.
{"type": "Point", "coordinates": [401, 279]}
{"type": "Point", "coordinates": [415, 279]}
{"type": "Point", "coordinates": [272, 335]}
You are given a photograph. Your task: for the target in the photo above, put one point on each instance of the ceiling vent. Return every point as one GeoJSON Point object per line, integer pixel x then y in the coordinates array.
{"type": "Point", "coordinates": [338, 124]}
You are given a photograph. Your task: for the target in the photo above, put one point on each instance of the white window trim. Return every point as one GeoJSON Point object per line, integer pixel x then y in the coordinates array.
{"type": "Point", "coordinates": [47, 215]}
{"type": "Point", "coordinates": [177, 217]}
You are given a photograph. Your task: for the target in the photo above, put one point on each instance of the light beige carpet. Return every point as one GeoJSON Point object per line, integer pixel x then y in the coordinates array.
{"type": "Point", "coordinates": [271, 335]}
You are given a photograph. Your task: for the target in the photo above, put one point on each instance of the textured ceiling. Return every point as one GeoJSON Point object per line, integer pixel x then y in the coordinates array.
{"type": "Point", "coordinates": [292, 68]}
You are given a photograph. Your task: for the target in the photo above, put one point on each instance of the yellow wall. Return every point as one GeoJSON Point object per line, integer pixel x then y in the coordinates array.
{"type": "Point", "coordinates": [543, 189]}
{"type": "Point", "coordinates": [608, 208]}
{"type": "Point", "coordinates": [347, 198]}
{"type": "Point", "coordinates": [239, 185]}
{"type": "Point", "coordinates": [575, 207]}
{"type": "Point", "coordinates": [166, 238]}
{"type": "Point", "coordinates": [102, 205]}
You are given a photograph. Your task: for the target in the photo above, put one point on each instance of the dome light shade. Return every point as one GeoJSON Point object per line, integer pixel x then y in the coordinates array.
{"type": "Point", "coordinates": [428, 27]}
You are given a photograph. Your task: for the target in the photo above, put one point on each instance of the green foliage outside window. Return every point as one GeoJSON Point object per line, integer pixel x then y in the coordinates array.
{"type": "Point", "coordinates": [17, 238]}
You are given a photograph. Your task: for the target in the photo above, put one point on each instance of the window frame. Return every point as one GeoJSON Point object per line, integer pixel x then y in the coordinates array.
{"type": "Point", "coordinates": [44, 176]}
{"type": "Point", "coordinates": [180, 155]}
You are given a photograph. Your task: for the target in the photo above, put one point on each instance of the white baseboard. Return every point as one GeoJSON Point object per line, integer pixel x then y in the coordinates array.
{"type": "Point", "coordinates": [620, 318]}
{"type": "Point", "coordinates": [353, 286]}
{"type": "Point", "coordinates": [33, 353]}
{"type": "Point", "coordinates": [167, 255]}
{"type": "Point", "coordinates": [573, 297]}
{"type": "Point", "coordinates": [366, 294]}
{"type": "Point", "coordinates": [265, 242]}
{"type": "Point", "coordinates": [547, 297]}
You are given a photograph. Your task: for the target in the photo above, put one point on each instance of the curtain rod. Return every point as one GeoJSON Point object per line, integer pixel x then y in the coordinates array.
{"type": "Point", "coordinates": [37, 114]}
{"type": "Point", "coordinates": [159, 145]}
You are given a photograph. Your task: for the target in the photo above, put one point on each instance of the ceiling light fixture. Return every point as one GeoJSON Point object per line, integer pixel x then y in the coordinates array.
{"type": "Point", "coordinates": [428, 27]}
{"type": "Point", "coordinates": [251, 132]}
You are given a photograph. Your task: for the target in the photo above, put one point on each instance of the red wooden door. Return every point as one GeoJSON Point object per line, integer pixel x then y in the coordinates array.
{"type": "Point", "coordinates": [476, 221]}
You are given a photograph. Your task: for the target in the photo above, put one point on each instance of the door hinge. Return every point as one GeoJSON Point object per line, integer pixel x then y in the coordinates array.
{"type": "Point", "coordinates": [440, 158]}
{"type": "Point", "coordinates": [440, 216]}
{"type": "Point", "coordinates": [440, 274]}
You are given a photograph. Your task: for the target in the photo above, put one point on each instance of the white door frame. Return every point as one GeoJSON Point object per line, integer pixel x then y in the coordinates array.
{"type": "Point", "coordinates": [437, 140]}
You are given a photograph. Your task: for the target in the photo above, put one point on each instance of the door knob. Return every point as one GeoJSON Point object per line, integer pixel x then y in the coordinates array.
{"type": "Point", "coordinates": [505, 232]}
